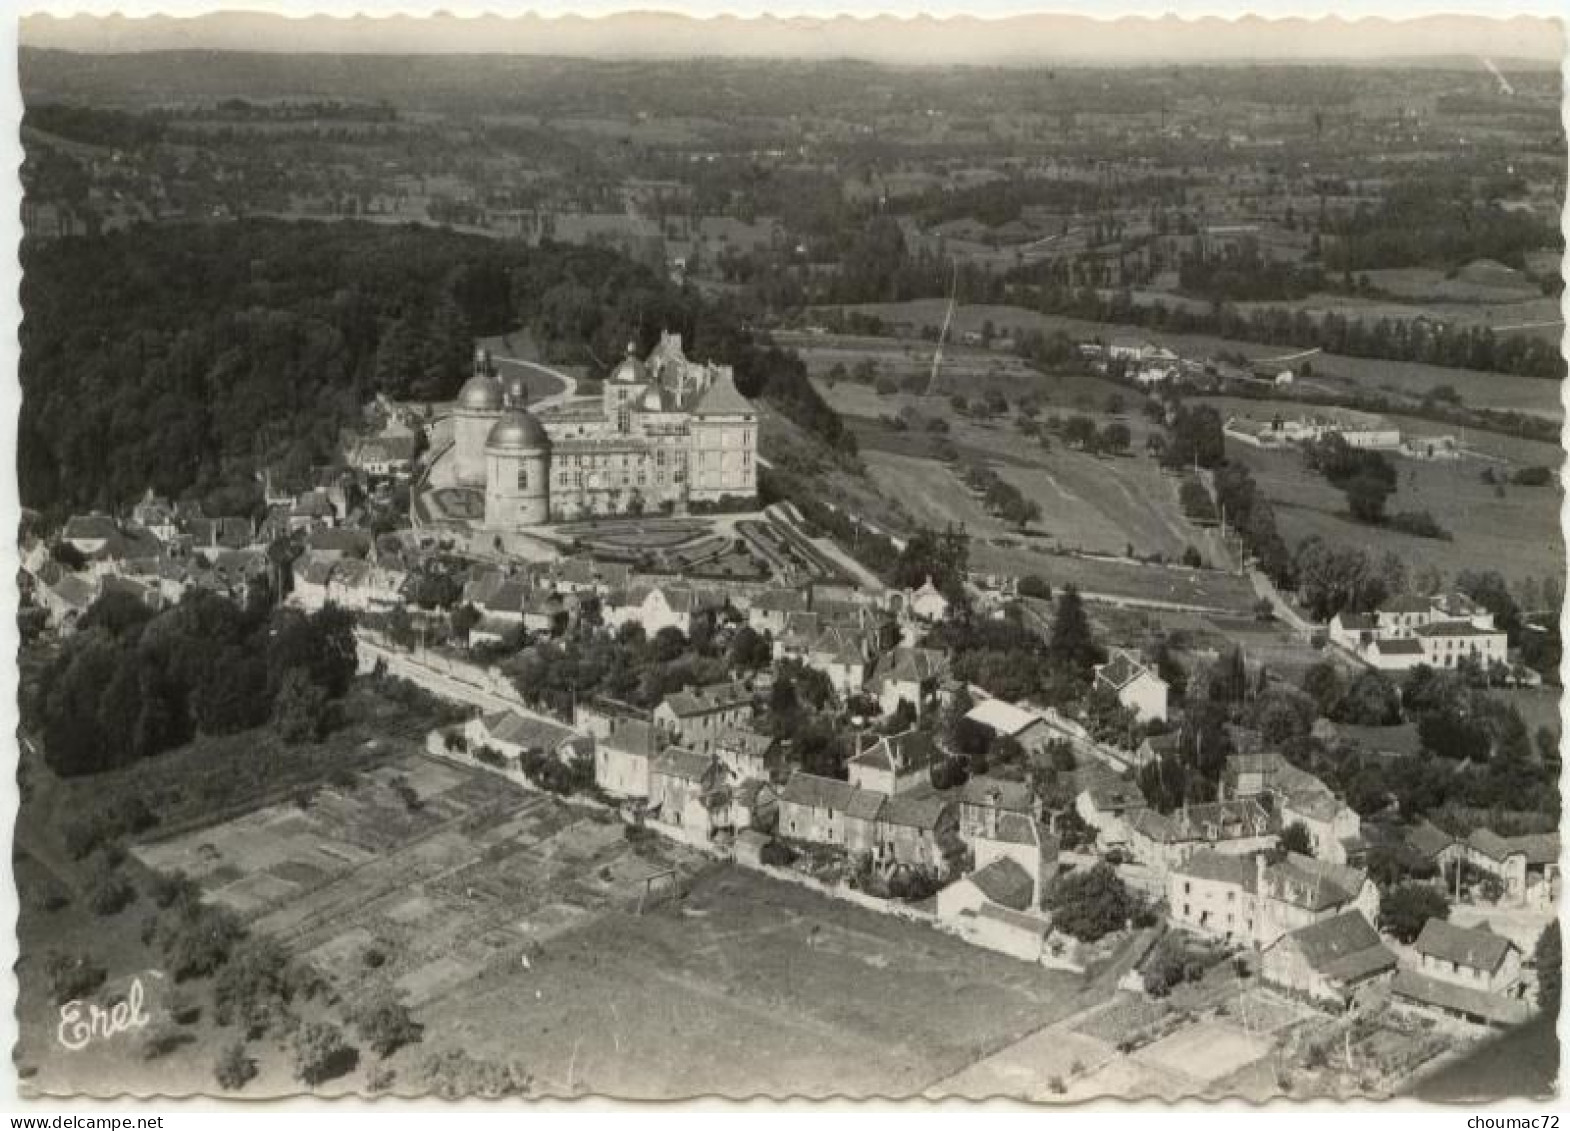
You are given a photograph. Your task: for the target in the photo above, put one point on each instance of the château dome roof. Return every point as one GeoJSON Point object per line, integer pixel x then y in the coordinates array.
{"type": "Point", "coordinates": [630, 370]}
{"type": "Point", "coordinates": [480, 393]}
{"type": "Point", "coordinates": [518, 431]}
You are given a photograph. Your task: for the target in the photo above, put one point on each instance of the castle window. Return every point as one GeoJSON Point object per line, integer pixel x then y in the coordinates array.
{"type": "Point", "coordinates": [523, 477]}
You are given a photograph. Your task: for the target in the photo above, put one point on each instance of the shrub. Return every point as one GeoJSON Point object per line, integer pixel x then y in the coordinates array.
{"type": "Point", "coordinates": [320, 1053]}
{"type": "Point", "coordinates": [234, 1069]}
{"type": "Point", "coordinates": [1420, 524]}
{"type": "Point", "coordinates": [255, 985]}
{"type": "Point", "coordinates": [386, 1026]}
{"type": "Point", "coordinates": [72, 976]}
{"type": "Point", "coordinates": [456, 1075]}
{"type": "Point", "coordinates": [109, 891]}
{"type": "Point", "coordinates": [197, 941]}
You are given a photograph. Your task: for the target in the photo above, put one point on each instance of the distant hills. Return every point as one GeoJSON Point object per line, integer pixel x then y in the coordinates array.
{"type": "Point", "coordinates": [1519, 41]}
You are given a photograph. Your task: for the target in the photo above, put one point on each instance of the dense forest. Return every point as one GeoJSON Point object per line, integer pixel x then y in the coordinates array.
{"type": "Point", "coordinates": [185, 358]}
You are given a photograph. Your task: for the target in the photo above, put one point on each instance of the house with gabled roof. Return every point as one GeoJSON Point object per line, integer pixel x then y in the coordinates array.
{"type": "Point", "coordinates": [656, 607]}
{"type": "Point", "coordinates": [1137, 687]}
{"type": "Point", "coordinates": [1331, 961]}
{"type": "Point", "coordinates": [623, 757]}
{"type": "Point", "coordinates": [88, 532]}
{"type": "Point", "coordinates": [1475, 957]}
{"type": "Point", "coordinates": [744, 751]}
{"type": "Point", "coordinates": [1005, 720]}
{"type": "Point", "coordinates": [894, 763]}
{"type": "Point", "coordinates": [909, 675]}
{"type": "Point", "coordinates": [690, 793]}
{"type": "Point", "coordinates": [695, 716]}
{"type": "Point", "coordinates": [914, 827]}
{"type": "Point", "coordinates": [1466, 973]}
{"type": "Point", "coordinates": [1161, 841]}
{"type": "Point", "coordinates": [984, 801]}
{"type": "Point", "coordinates": [770, 610]}
{"type": "Point", "coordinates": [823, 810]}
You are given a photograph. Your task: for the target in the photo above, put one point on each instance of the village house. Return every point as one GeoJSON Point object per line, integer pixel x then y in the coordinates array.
{"type": "Point", "coordinates": [656, 607]}
{"type": "Point", "coordinates": [1329, 962]}
{"type": "Point", "coordinates": [984, 800]}
{"type": "Point", "coordinates": [1163, 841]}
{"type": "Point", "coordinates": [1526, 867]}
{"type": "Point", "coordinates": [1440, 631]}
{"type": "Point", "coordinates": [744, 751]}
{"type": "Point", "coordinates": [1137, 687]}
{"type": "Point", "coordinates": [622, 758]}
{"type": "Point", "coordinates": [894, 763]}
{"type": "Point", "coordinates": [694, 717]}
{"type": "Point", "coordinates": [87, 533]}
{"type": "Point", "coordinates": [928, 604]}
{"type": "Point", "coordinates": [770, 610]}
{"type": "Point", "coordinates": [583, 575]}
{"type": "Point", "coordinates": [754, 806]}
{"type": "Point", "coordinates": [1466, 973]}
{"type": "Point", "coordinates": [1023, 840]}
{"type": "Point", "coordinates": [689, 794]}
{"type": "Point", "coordinates": [1008, 721]}
{"type": "Point", "coordinates": [908, 675]}
{"type": "Point", "coordinates": [71, 595]}
{"type": "Point", "coordinates": [1254, 900]}
{"type": "Point", "coordinates": [843, 653]}
{"type": "Point", "coordinates": [823, 810]}
{"type": "Point", "coordinates": [914, 827]}
{"type": "Point", "coordinates": [1106, 805]}
{"type": "Point", "coordinates": [511, 734]}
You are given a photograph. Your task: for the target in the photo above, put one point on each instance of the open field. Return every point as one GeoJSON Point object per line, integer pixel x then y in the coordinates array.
{"type": "Point", "coordinates": [1517, 534]}
{"type": "Point", "coordinates": [751, 986]}
{"type": "Point", "coordinates": [1477, 388]}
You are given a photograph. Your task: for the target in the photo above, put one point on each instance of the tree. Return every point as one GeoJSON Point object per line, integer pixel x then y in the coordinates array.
{"type": "Point", "coordinates": [1295, 838]}
{"type": "Point", "coordinates": [669, 643]}
{"type": "Point", "coordinates": [255, 986]}
{"type": "Point", "coordinates": [749, 649]}
{"type": "Point", "coordinates": [1405, 908]}
{"type": "Point", "coordinates": [1070, 644]}
{"type": "Point", "coordinates": [72, 977]}
{"type": "Point", "coordinates": [300, 711]}
{"type": "Point", "coordinates": [1092, 903]}
{"type": "Point", "coordinates": [457, 1075]}
{"type": "Point", "coordinates": [1365, 495]}
{"type": "Point", "coordinates": [385, 1025]}
{"type": "Point", "coordinates": [320, 1053]}
{"type": "Point", "coordinates": [1549, 957]}
{"type": "Point", "coordinates": [1034, 585]}
{"type": "Point", "coordinates": [234, 1069]}
{"type": "Point", "coordinates": [1372, 700]}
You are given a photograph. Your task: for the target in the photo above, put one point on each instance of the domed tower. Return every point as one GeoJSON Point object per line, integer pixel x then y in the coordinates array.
{"type": "Point", "coordinates": [624, 387]}
{"type": "Point", "coordinates": [517, 472]}
{"type": "Point", "coordinates": [479, 405]}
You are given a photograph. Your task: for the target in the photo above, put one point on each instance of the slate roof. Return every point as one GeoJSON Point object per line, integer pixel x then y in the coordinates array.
{"type": "Point", "coordinates": [679, 762]}
{"type": "Point", "coordinates": [910, 665]}
{"type": "Point", "coordinates": [1495, 1008]}
{"type": "Point", "coordinates": [1017, 828]}
{"type": "Point", "coordinates": [917, 809]}
{"type": "Point", "coordinates": [1343, 948]}
{"type": "Point", "coordinates": [1474, 947]}
{"type": "Point", "coordinates": [88, 527]}
{"type": "Point", "coordinates": [706, 700]}
{"type": "Point", "coordinates": [830, 793]}
{"type": "Point", "coordinates": [1114, 793]}
{"type": "Point", "coordinates": [1428, 839]}
{"type": "Point", "coordinates": [1316, 885]}
{"type": "Point", "coordinates": [910, 750]}
{"type": "Point", "coordinates": [722, 399]}
{"type": "Point", "coordinates": [1120, 671]}
{"type": "Point", "coordinates": [1400, 646]}
{"type": "Point", "coordinates": [1005, 883]}
{"type": "Point", "coordinates": [1357, 622]}
{"type": "Point", "coordinates": [522, 730]}
{"type": "Point", "coordinates": [747, 742]}
{"type": "Point", "coordinates": [1539, 848]}
{"type": "Point", "coordinates": [998, 793]}
{"type": "Point", "coordinates": [1016, 919]}
{"type": "Point", "coordinates": [632, 736]}
{"type": "Point", "coordinates": [780, 601]}
{"type": "Point", "coordinates": [1455, 628]}
{"type": "Point", "coordinates": [1491, 844]}
{"type": "Point", "coordinates": [1221, 867]}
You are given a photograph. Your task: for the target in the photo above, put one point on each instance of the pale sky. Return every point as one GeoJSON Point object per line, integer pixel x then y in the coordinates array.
{"type": "Point", "coordinates": [1086, 35]}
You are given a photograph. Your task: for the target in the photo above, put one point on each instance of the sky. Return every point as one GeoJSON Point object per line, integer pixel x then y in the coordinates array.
{"type": "Point", "coordinates": [1079, 35]}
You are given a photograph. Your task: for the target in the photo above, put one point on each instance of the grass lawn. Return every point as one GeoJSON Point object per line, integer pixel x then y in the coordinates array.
{"type": "Point", "coordinates": [1518, 535]}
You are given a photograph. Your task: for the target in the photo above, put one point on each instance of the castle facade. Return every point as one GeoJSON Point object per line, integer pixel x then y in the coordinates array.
{"type": "Point", "coordinates": [665, 432]}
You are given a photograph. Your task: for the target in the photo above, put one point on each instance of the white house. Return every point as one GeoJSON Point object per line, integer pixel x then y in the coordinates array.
{"type": "Point", "coordinates": [1137, 687]}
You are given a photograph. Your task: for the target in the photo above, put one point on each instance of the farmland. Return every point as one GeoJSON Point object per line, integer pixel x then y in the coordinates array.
{"type": "Point", "coordinates": [1480, 520]}
{"type": "Point", "coordinates": [510, 923]}
{"type": "Point", "coordinates": [1370, 376]}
